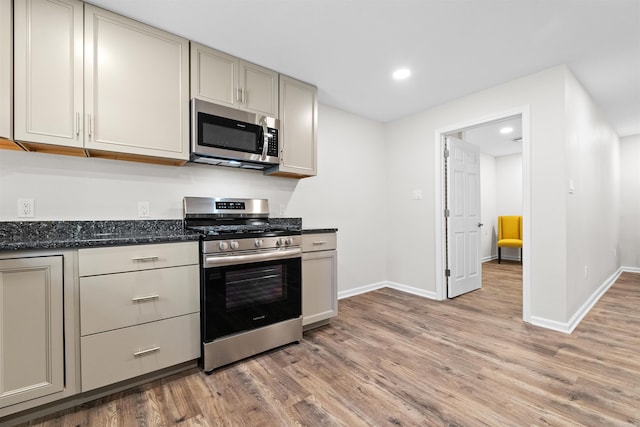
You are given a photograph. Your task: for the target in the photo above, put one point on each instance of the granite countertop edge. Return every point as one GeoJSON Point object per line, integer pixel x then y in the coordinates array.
{"type": "Point", "coordinates": [319, 230]}
{"type": "Point", "coordinates": [42, 235]}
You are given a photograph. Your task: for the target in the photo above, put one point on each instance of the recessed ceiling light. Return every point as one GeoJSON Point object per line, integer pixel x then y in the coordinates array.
{"type": "Point", "coordinates": [505, 130]}
{"type": "Point", "coordinates": [401, 73]}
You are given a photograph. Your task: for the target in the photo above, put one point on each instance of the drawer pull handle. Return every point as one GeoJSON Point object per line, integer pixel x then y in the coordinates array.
{"type": "Point", "coordinates": [147, 351]}
{"type": "Point", "coordinates": [145, 258]}
{"type": "Point", "coordinates": [145, 298]}
{"type": "Point", "coordinates": [320, 242]}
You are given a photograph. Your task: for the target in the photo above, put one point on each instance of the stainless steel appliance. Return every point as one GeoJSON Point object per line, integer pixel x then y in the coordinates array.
{"type": "Point", "coordinates": [228, 137]}
{"type": "Point", "coordinates": [251, 279]}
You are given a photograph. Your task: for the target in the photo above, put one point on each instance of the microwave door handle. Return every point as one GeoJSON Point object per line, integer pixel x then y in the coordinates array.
{"type": "Point", "coordinates": [265, 141]}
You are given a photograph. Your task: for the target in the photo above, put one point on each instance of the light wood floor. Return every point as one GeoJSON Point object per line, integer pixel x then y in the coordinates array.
{"type": "Point", "coordinates": [391, 358]}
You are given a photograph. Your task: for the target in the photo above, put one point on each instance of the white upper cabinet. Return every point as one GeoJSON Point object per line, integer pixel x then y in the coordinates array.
{"type": "Point", "coordinates": [136, 88]}
{"type": "Point", "coordinates": [48, 72]}
{"type": "Point", "coordinates": [223, 79]}
{"type": "Point", "coordinates": [6, 54]}
{"type": "Point", "coordinates": [298, 129]}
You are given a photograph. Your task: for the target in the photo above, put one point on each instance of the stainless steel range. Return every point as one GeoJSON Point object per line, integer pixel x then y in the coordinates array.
{"type": "Point", "coordinates": [250, 278]}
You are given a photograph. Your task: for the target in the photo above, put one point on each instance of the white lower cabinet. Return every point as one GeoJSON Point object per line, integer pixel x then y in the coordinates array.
{"type": "Point", "coordinates": [139, 310]}
{"type": "Point", "coordinates": [319, 279]}
{"type": "Point", "coordinates": [31, 328]}
{"type": "Point", "coordinates": [125, 353]}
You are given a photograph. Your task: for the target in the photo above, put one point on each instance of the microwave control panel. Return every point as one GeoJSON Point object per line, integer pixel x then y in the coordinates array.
{"type": "Point", "coordinates": [272, 149]}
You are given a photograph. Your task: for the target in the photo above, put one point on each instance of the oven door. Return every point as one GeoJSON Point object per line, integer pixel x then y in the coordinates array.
{"type": "Point", "coordinates": [245, 296]}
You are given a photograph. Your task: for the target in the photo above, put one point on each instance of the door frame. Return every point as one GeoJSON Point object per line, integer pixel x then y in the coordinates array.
{"type": "Point", "coordinates": [440, 228]}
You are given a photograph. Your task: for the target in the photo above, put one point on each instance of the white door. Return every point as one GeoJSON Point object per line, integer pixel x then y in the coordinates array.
{"type": "Point", "coordinates": [463, 224]}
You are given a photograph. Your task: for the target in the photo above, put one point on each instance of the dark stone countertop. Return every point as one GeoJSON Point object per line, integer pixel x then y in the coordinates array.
{"type": "Point", "coordinates": [318, 230]}
{"type": "Point", "coordinates": [24, 235]}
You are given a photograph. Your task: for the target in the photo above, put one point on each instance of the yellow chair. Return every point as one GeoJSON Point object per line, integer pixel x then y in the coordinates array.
{"type": "Point", "coordinates": [509, 234]}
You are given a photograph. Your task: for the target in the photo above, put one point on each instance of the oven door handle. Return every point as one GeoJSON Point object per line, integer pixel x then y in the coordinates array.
{"type": "Point", "coordinates": [219, 261]}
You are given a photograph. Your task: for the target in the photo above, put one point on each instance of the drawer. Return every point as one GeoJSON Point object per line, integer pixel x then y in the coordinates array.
{"type": "Point", "coordinates": [319, 242]}
{"type": "Point", "coordinates": [115, 301]}
{"type": "Point", "coordinates": [126, 353]}
{"type": "Point", "coordinates": [118, 259]}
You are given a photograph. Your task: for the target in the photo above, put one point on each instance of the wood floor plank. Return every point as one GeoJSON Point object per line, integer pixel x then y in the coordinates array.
{"type": "Point", "coordinates": [395, 359]}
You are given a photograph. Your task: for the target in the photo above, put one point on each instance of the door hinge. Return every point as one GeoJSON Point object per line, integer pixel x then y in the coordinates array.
{"type": "Point", "coordinates": [447, 213]}
{"type": "Point", "coordinates": [447, 273]}
{"type": "Point", "coordinates": [446, 153]}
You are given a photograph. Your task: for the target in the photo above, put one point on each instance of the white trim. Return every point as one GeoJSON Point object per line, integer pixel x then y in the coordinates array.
{"type": "Point", "coordinates": [392, 285]}
{"type": "Point", "coordinates": [489, 258]}
{"type": "Point", "coordinates": [630, 269]}
{"type": "Point", "coordinates": [361, 290]}
{"type": "Point", "coordinates": [524, 113]}
{"type": "Point", "coordinates": [575, 320]}
{"type": "Point", "coordinates": [412, 290]}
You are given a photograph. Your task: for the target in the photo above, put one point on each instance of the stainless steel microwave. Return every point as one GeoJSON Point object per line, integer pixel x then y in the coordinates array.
{"type": "Point", "coordinates": [228, 137]}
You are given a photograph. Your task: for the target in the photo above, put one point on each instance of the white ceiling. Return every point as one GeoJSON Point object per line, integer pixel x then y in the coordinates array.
{"type": "Point", "coordinates": [453, 47]}
{"type": "Point", "coordinates": [494, 143]}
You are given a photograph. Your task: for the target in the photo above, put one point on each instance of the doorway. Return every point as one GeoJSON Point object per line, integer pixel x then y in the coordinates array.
{"type": "Point", "coordinates": [442, 246]}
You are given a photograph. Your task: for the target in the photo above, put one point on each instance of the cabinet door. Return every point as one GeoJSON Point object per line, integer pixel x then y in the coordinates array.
{"type": "Point", "coordinates": [31, 328]}
{"type": "Point", "coordinates": [259, 89]}
{"type": "Point", "coordinates": [319, 286]}
{"type": "Point", "coordinates": [6, 54]}
{"type": "Point", "coordinates": [136, 87]}
{"type": "Point", "coordinates": [298, 128]}
{"type": "Point", "coordinates": [48, 71]}
{"type": "Point", "coordinates": [214, 76]}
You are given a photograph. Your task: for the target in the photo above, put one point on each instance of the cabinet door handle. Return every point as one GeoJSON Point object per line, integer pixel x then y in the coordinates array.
{"type": "Point", "coordinates": [319, 242]}
{"type": "Point", "coordinates": [77, 123]}
{"type": "Point", "coordinates": [145, 298]}
{"type": "Point", "coordinates": [145, 258]}
{"type": "Point", "coordinates": [90, 126]}
{"type": "Point", "coordinates": [244, 94]}
{"type": "Point", "coordinates": [147, 351]}
{"type": "Point", "coordinates": [239, 95]}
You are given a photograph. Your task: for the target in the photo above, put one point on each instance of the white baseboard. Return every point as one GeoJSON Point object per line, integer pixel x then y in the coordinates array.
{"type": "Point", "coordinates": [361, 290]}
{"type": "Point", "coordinates": [567, 327]}
{"type": "Point", "coordinates": [375, 286]}
{"type": "Point", "coordinates": [489, 258]}
{"type": "Point", "coordinates": [577, 317]}
{"type": "Point", "coordinates": [412, 290]}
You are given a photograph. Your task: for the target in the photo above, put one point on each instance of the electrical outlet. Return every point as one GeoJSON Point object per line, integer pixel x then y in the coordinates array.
{"type": "Point", "coordinates": [283, 210]}
{"type": "Point", "coordinates": [586, 272]}
{"type": "Point", "coordinates": [143, 209]}
{"type": "Point", "coordinates": [26, 208]}
{"type": "Point", "coordinates": [416, 194]}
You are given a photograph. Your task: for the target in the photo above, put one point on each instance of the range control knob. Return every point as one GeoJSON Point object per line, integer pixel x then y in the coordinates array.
{"type": "Point", "coordinates": [234, 245]}
{"type": "Point", "coordinates": [288, 241]}
{"type": "Point", "coordinates": [279, 242]}
{"type": "Point", "coordinates": [223, 246]}
{"type": "Point", "coordinates": [259, 243]}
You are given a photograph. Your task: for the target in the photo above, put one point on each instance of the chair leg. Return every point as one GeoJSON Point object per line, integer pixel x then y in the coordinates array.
{"type": "Point", "coordinates": [499, 254]}
{"type": "Point", "coordinates": [520, 255]}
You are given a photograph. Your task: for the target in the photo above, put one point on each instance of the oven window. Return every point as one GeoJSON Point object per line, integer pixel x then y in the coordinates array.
{"type": "Point", "coordinates": [261, 285]}
{"type": "Point", "coordinates": [242, 297]}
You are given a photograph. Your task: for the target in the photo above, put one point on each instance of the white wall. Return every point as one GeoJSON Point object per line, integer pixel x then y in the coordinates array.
{"type": "Point", "coordinates": [488, 206]}
{"type": "Point", "coordinates": [509, 184]}
{"type": "Point", "coordinates": [593, 213]}
{"type": "Point", "coordinates": [349, 194]}
{"type": "Point", "coordinates": [630, 201]}
{"type": "Point", "coordinates": [346, 194]}
{"type": "Point", "coordinates": [411, 164]}
{"type": "Point", "coordinates": [509, 192]}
